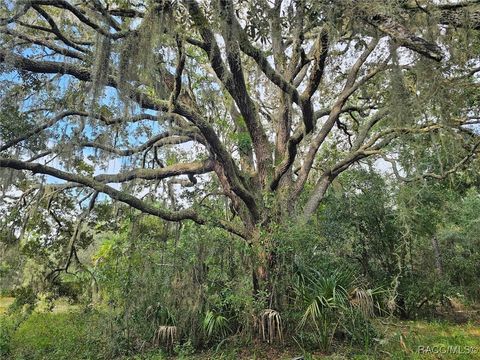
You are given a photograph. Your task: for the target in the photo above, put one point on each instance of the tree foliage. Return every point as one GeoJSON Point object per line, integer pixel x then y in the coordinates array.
{"type": "Point", "coordinates": [280, 133]}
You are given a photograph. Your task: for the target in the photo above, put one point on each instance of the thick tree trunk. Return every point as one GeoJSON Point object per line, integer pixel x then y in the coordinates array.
{"type": "Point", "coordinates": [260, 272]}
{"type": "Point", "coordinates": [263, 267]}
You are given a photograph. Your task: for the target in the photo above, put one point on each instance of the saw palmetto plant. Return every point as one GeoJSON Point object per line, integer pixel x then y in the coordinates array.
{"type": "Point", "coordinates": [215, 325]}
{"type": "Point", "coordinates": [270, 326]}
{"type": "Point", "coordinates": [327, 299]}
{"type": "Point", "coordinates": [166, 336]}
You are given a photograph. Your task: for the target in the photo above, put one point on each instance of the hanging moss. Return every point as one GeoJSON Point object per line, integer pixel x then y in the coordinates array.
{"type": "Point", "coordinates": [139, 55]}
{"type": "Point", "coordinates": [400, 97]}
{"type": "Point", "coordinates": [126, 69]}
{"type": "Point", "coordinates": [100, 67]}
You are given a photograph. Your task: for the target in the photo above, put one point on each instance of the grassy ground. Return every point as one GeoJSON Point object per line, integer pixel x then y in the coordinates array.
{"type": "Point", "coordinates": [63, 306]}
{"type": "Point", "coordinates": [430, 340]}
{"type": "Point", "coordinates": [66, 333]}
{"type": "Point", "coordinates": [5, 302]}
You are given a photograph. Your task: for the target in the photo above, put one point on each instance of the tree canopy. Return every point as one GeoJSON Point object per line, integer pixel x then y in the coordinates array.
{"type": "Point", "coordinates": [167, 106]}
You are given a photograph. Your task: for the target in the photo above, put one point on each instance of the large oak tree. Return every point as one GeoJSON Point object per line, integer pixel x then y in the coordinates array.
{"type": "Point", "coordinates": [258, 105]}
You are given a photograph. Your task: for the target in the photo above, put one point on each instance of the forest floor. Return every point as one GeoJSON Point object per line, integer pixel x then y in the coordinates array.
{"type": "Point", "coordinates": [395, 340]}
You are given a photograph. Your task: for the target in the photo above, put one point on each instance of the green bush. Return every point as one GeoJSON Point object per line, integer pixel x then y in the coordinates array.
{"type": "Point", "coordinates": [25, 297]}
{"type": "Point", "coordinates": [57, 336]}
{"type": "Point", "coordinates": [8, 325]}
{"type": "Point", "coordinates": [6, 331]}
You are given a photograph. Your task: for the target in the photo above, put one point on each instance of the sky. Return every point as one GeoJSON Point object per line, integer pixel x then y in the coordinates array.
{"type": "Point", "coordinates": [110, 95]}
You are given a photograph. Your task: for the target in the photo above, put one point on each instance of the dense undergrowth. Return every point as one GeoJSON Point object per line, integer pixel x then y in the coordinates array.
{"type": "Point", "coordinates": [340, 286]}
{"type": "Point", "coordinates": [76, 334]}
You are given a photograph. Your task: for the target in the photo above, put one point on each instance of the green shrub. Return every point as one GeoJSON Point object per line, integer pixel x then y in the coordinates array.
{"type": "Point", "coordinates": [25, 298]}
{"type": "Point", "coordinates": [57, 336]}
{"type": "Point", "coordinates": [8, 325]}
{"type": "Point", "coordinates": [6, 331]}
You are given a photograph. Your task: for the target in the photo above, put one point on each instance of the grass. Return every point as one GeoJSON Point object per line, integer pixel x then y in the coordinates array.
{"type": "Point", "coordinates": [430, 340]}
{"type": "Point", "coordinates": [5, 302]}
{"type": "Point", "coordinates": [62, 306]}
